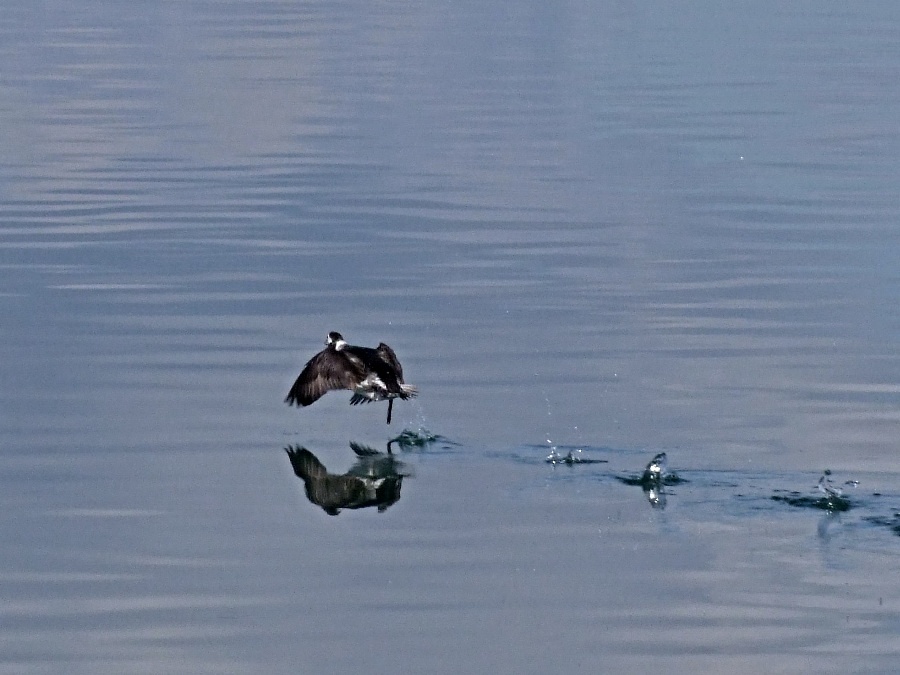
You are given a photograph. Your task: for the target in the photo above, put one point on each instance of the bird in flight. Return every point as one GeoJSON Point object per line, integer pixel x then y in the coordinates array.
{"type": "Point", "coordinates": [371, 374]}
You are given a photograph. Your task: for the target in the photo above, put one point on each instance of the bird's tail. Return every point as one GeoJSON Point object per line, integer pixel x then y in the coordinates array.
{"type": "Point", "coordinates": [406, 391]}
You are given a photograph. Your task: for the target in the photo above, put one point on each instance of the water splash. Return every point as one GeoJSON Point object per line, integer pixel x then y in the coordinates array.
{"type": "Point", "coordinates": [654, 479]}
{"type": "Point", "coordinates": [656, 469]}
{"type": "Point", "coordinates": [827, 487]}
{"type": "Point", "coordinates": [573, 456]}
{"type": "Point", "coordinates": [419, 438]}
{"type": "Point", "coordinates": [656, 473]}
{"type": "Point", "coordinates": [834, 498]}
{"type": "Point", "coordinates": [834, 494]}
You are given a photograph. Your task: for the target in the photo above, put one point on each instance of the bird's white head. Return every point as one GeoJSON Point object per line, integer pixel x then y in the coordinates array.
{"type": "Point", "coordinates": [335, 340]}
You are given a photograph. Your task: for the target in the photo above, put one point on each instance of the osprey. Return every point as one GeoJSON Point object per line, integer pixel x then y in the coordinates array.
{"type": "Point", "coordinates": [371, 374]}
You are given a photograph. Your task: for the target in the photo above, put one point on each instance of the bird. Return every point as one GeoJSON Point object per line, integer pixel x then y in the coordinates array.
{"type": "Point", "coordinates": [375, 480]}
{"type": "Point", "coordinates": [371, 374]}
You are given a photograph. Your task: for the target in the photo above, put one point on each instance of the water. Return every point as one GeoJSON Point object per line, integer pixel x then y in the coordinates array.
{"type": "Point", "coordinates": [606, 230]}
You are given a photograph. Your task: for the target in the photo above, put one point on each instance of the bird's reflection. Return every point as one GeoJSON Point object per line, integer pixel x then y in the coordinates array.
{"type": "Point", "coordinates": [829, 522]}
{"type": "Point", "coordinates": [655, 494]}
{"type": "Point", "coordinates": [374, 480]}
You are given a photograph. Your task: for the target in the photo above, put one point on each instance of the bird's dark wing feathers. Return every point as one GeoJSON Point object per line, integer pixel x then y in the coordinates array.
{"type": "Point", "coordinates": [389, 357]}
{"type": "Point", "coordinates": [383, 363]}
{"type": "Point", "coordinates": [324, 372]}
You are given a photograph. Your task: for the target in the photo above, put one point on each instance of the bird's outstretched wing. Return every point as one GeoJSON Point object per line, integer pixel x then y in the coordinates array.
{"type": "Point", "coordinates": [324, 372]}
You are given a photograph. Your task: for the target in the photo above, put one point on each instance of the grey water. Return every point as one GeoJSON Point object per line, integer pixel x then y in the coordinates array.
{"type": "Point", "coordinates": [597, 228]}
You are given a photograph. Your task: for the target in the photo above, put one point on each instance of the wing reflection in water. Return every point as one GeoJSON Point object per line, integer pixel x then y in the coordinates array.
{"type": "Point", "coordinates": [374, 480]}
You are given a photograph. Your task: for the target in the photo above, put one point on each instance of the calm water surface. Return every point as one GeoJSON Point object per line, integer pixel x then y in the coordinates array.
{"type": "Point", "coordinates": [608, 228]}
